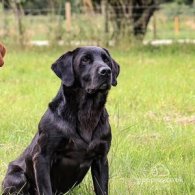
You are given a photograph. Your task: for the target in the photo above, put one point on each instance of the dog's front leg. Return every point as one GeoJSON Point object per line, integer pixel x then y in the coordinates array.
{"type": "Point", "coordinates": [41, 165]}
{"type": "Point", "coordinates": [99, 170]}
{"type": "Point", "coordinates": [42, 174]}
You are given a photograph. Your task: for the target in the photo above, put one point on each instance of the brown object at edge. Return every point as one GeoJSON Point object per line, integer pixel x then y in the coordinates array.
{"type": "Point", "coordinates": [2, 54]}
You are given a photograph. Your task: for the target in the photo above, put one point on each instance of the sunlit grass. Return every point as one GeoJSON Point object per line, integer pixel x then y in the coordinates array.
{"type": "Point", "coordinates": [152, 114]}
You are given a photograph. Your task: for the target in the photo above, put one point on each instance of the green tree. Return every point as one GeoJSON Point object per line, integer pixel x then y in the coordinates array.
{"type": "Point", "coordinates": [132, 16]}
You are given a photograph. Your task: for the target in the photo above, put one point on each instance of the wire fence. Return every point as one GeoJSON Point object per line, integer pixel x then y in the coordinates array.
{"type": "Point", "coordinates": [81, 25]}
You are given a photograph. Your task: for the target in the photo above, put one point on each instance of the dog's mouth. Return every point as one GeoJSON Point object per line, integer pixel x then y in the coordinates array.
{"type": "Point", "coordinates": [102, 87]}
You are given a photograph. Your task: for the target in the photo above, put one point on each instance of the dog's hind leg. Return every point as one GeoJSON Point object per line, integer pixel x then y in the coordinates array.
{"type": "Point", "coordinates": [15, 182]}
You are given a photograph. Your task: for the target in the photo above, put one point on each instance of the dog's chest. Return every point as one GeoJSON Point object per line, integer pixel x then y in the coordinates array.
{"type": "Point", "coordinates": [87, 123]}
{"type": "Point", "coordinates": [76, 152]}
{"type": "Point", "coordinates": [72, 160]}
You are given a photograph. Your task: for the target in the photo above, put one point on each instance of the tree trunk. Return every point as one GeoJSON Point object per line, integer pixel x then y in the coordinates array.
{"type": "Point", "coordinates": [132, 16]}
{"type": "Point", "coordinates": [141, 16]}
{"type": "Point", "coordinates": [19, 13]}
{"type": "Point", "coordinates": [88, 6]}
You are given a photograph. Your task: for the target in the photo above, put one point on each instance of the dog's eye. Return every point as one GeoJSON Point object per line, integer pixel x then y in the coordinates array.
{"type": "Point", "coordinates": [106, 60]}
{"type": "Point", "coordinates": [86, 59]}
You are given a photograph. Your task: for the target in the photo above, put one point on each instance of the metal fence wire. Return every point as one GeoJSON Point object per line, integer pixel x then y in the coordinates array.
{"type": "Point", "coordinates": [81, 25]}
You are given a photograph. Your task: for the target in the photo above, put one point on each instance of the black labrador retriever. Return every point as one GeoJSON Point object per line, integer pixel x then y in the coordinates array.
{"type": "Point", "coordinates": [74, 134]}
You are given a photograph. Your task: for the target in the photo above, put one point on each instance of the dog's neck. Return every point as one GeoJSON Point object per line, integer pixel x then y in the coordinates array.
{"type": "Point", "coordinates": [81, 108]}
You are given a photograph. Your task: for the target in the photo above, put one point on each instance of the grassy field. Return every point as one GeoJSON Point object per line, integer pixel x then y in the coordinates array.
{"type": "Point", "coordinates": [152, 114]}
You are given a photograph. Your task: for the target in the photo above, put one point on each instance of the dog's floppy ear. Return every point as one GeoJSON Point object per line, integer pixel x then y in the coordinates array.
{"type": "Point", "coordinates": [115, 72]}
{"type": "Point", "coordinates": [63, 68]}
{"type": "Point", "coordinates": [115, 69]}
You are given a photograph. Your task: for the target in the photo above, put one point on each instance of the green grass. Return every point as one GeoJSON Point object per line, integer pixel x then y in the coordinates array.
{"type": "Point", "coordinates": [152, 114]}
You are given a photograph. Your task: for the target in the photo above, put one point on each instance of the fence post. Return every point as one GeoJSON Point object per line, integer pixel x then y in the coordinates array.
{"type": "Point", "coordinates": [176, 24]}
{"type": "Point", "coordinates": [68, 16]}
{"type": "Point", "coordinates": [105, 14]}
{"type": "Point", "coordinates": [154, 26]}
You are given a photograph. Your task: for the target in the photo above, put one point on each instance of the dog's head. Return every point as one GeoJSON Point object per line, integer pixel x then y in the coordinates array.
{"type": "Point", "coordinates": [90, 68]}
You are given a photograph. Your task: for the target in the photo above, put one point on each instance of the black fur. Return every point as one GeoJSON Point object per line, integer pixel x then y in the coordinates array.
{"type": "Point", "coordinates": [74, 134]}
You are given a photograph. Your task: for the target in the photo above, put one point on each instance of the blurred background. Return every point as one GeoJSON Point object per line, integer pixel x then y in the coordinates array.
{"type": "Point", "coordinates": [95, 22]}
{"type": "Point", "coordinates": [152, 109]}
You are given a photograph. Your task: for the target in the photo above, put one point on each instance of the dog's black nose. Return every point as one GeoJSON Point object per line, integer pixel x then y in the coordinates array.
{"type": "Point", "coordinates": [104, 71]}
